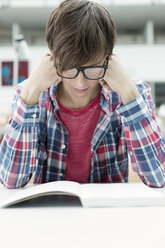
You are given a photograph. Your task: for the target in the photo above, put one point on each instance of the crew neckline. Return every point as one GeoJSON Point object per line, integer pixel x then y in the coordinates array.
{"type": "Point", "coordinates": [82, 110]}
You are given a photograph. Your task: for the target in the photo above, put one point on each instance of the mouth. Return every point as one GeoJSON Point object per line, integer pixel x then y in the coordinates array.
{"type": "Point", "coordinates": [80, 90]}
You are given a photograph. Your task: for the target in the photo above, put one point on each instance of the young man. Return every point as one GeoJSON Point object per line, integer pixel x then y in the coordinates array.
{"type": "Point", "coordinates": [79, 114]}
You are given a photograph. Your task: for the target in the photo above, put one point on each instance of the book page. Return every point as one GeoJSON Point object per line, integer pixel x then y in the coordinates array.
{"type": "Point", "coordinates": [120, 194]}
{"type": "Point", "coordinates": [6, 193]}
{"type": "Point", "coordinates": [29, 192]}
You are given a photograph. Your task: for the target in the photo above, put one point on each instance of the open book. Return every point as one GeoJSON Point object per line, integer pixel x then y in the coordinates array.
{"type": "Point", "coordinates": [93, 195]}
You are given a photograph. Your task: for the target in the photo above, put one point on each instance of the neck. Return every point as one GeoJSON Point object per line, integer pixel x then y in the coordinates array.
{"type": "Point", "coordinates": [75, 102]}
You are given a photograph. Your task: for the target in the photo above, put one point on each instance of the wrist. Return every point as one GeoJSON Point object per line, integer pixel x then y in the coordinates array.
{"type": "Point", "coordinates": [129, 94]}
{"type": "Point", "coordinates": [30, 94]}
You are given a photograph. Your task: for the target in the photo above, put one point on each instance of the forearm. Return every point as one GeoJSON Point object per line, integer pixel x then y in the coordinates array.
{"type": "Point", "coordinates": [42, 77]}
{"type": "Point", "coordinates": [17, 157]}
{"type": "Point", "coordinates": [18, 150]}
{"type": "Point", "coordinates": [30, 93]}
{"type": "Point", "coordinates": [145, 144]}
{"type": "Point", "coordinates": [129, 93]}
{"type": "Point", "coordinates": [147, 153]}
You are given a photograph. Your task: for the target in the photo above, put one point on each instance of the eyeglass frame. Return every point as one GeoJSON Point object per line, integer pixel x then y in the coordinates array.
{"type": "Point", "coordinates": [105, 67]}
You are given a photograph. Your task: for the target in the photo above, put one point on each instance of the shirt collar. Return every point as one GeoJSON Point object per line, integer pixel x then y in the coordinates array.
{"type": "Point", "coordinates": [52, 93]}
{"type": "Point", "coordinates": [108, 101]}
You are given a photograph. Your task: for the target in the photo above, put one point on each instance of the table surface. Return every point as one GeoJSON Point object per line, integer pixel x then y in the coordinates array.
{"type": "Point", "coordinates": [63, 222]}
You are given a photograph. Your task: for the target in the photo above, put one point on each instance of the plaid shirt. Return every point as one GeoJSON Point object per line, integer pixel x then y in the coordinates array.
{"type": "Point", "coordinates": [36, 141]}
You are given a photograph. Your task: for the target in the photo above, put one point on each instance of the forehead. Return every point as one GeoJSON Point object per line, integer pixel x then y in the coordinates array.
{"type": "Point", "coordinates": [94, 63]}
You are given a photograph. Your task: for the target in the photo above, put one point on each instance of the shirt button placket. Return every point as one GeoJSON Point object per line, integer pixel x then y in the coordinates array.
{"type": "Point", "coordinates": [34, 116]}
{"type": "Point", "coordinates": [63, 146]}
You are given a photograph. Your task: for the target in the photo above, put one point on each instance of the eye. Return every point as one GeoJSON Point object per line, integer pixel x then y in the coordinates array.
{"type": "Point", "coordinates": [69, 73]}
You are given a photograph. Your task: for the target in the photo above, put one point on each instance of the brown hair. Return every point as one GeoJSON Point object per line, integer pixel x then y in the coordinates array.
{"type": "Point", "coordinates": [80, 32]}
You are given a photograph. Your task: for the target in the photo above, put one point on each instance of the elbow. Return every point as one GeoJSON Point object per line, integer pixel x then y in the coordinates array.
{"type": "Point", "coordinates": [7, 184]}
{"type": "Point", "coordinates": [13, 182]}
{"type": "Point", "coordinates": [155, 185]}
{"type": "Point", "coordinates": [152, 182]}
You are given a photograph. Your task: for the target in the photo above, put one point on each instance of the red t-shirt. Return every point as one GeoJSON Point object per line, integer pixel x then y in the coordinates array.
{"type": "Point", "coordinates": [80, 125]}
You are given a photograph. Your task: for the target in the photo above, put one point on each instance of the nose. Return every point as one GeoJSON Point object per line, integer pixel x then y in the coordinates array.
{"type": "Point", "coordinates": [80, 81]}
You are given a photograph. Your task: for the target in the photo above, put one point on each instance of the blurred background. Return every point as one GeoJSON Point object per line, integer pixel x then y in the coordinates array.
{"type": "Point", "coordinates": [140, 44]}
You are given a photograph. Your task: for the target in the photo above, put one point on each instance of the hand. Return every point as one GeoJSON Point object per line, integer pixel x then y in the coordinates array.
{"type": "Point", "coordinates": [118, 79]}
{"type": "Point", "coordinates": [43, 76]}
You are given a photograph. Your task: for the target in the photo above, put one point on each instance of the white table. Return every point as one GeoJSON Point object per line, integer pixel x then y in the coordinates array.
{"type": "Point", "coordinates": [77, 227]}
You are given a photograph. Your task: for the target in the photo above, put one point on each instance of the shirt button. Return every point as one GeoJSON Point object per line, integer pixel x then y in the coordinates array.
{"type": "Point", "coordinates": [122, 118]}
{"type": "Point", "coordinates": [61, 174]}
{"type": "Point", "coordinates": [131, 153]}
{"type": "Point", "coordinates": [63, 146]}
{"type": "Point", "coordinates": [34, 116]}
{"type": "Point", "coordinates": [33, 152]}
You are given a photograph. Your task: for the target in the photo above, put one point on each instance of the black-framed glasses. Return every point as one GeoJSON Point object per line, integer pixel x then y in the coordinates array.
{"type": "Point", "coordinates": [89, 72]}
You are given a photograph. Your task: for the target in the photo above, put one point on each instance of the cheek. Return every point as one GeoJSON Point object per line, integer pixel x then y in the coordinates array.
{"type": "Point", "coordinates": [67, 82]}
{"type": "Point", "coordinates": [94, 84]}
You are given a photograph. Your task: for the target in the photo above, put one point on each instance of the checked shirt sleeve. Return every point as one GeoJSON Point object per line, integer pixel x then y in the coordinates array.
{"type": "Point", "coordinates": [146, 146]}
{"type": "Point", "coordinates": [18, 150]}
